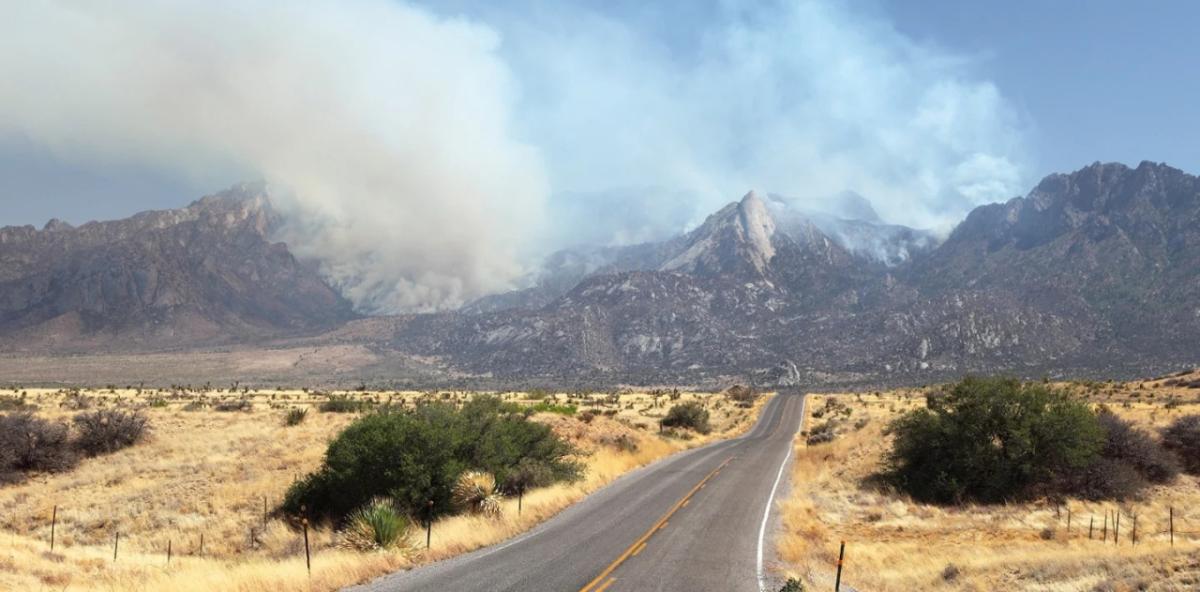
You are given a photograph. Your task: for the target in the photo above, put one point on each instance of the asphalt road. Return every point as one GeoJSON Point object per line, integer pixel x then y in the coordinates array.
{"type": "Point", "coordinates": [690, 522]}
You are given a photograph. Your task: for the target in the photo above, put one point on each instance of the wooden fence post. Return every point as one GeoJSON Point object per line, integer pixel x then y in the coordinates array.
{"type": "Point", "coordinates": [53, 524]}
{"type": "Point", "coordinates": [116, 543]}
{"type": "Point", "coordinates": [1117, 528]}
{"type": "Point", "coordinates": [1091, 523]}
{"type": "Point", "coordinates": [1172, 521]}
{"type": "Point", "coordinates": [837, 584]}
{"type": "Point", "coordinates": [1105, 526]}
{"type": "Point", "coordinates": [307, 553]}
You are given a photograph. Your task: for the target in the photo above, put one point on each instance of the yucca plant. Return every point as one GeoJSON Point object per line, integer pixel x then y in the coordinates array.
{"type": "Point", "coordinates": [295, 416]}
{"type": "Point", "coordinates": [377, 526]}
{"type": "Point", "coordinates": [475, 492]}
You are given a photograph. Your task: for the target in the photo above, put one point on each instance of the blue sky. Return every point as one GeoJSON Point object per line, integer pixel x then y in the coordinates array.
{"type": "Point", "coordinates": [662, 110]}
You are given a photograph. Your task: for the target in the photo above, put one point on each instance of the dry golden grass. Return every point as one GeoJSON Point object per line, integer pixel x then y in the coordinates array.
{"type": "Point", "coordinates": [207, 472]}
{"type": "Point", "coordinates": [895, 544]}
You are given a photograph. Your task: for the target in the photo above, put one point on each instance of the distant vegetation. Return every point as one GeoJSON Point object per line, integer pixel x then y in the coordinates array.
{"type": "Point", "coordinates": [691, 415]}
{"type": "Point", "coordinates": [414, 456]}
{"type": "Point", "coordinates": [995, 440]}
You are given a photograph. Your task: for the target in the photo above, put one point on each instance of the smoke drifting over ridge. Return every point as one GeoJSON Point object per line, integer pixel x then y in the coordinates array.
{"type": "Point", "coordinates": [428, 158]}
{"type": "Point", "coordinates": [384, 130]}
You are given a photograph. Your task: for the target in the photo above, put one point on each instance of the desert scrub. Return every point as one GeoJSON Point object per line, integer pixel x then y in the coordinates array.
{"type": "Point", "coordinates": [295, 416]}
{"type": "Point", "coordinates": [691, 415]}
{"type": "Point", "coordinates": [108, 430]}
{"type": "Point", "coordinates": [31, 444]}
{"type": "Point", "coordinates": [343, 404]}
{"type": "Point", "coordinates": [378, 526]}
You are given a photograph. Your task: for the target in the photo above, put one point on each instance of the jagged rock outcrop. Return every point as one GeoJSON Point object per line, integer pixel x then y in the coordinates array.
{"type": "Point", "coordinates": [200, 274]}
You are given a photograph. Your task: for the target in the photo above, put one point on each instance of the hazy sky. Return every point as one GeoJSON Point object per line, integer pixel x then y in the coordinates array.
{"type": "Point", "coordinates": [522, 126]}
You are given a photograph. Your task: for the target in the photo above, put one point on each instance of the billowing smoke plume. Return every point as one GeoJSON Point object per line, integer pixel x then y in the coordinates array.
{"type": "Point", "coordinates": [419, 151]}
{"type": "Point", "coordinates": [704, 100]}
{"type": "Point", "coordinates": [384, 130]}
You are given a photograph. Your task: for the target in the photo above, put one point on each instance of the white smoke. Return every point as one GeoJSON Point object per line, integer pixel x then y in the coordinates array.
{"type": "Point", "coordinates": [387, 128]}
{"type": "Point", "coordinates": [417, 152]}
{"type": "Point", "coordinates": [804, 98]}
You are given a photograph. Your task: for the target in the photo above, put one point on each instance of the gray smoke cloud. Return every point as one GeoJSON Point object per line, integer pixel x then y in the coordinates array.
{"type": "Point", "coordinates": [430, 154]}
{"type": "Point", "coordinates": [384, 130]}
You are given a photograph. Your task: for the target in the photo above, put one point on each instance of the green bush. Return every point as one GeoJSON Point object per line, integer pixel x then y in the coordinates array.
{"type": "Point", "coordinates": [991, 440]}
{"type": "Point", "coordinates": [548, 407]}
{"type": "Point", "coordinates": [691, 415]}
{"type": "Point", "coordinates": [417, 455]}
{"type": "Point", "coordinates": [1183, 437]}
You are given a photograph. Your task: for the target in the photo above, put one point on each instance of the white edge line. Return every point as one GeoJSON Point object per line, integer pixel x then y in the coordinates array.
{"type": "Point", "coordinates": [762, 530]}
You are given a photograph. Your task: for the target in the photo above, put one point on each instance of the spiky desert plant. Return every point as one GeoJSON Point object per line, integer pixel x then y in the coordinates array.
{"type": "Point", "coordinates": [475, 492]}
{"type": "Point", "coordinates": [378, 526]}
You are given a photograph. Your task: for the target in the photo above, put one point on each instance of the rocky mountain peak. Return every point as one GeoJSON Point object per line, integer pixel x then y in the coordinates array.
{"type": "Point", "coordinates": [737, 240]}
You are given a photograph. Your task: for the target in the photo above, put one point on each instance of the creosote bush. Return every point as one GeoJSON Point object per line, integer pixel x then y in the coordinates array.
{"type": "Point", "coordinates": [691, 415]}
{"type": "Point", "coordinates": [416, 455]}
{"type": "Point", "coordinates": [108, 430]}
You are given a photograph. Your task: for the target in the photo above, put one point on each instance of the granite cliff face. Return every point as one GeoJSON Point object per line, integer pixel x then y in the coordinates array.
{"type": "Point", "coordinates": [204, 273]}
{"type": "Point", "coordinates": [1093, 272]}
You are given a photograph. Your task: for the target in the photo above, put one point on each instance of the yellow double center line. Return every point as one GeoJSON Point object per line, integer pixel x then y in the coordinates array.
{"type": "Point", "coordinates": [639, 544]}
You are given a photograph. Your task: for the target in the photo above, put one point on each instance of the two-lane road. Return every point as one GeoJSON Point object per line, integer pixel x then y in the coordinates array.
{"type": "Point", "coordinates": [698, 520]}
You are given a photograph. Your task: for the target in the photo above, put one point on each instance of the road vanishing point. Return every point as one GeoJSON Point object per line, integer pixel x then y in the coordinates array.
{"type": "Point", "coordinates": [698, 520]}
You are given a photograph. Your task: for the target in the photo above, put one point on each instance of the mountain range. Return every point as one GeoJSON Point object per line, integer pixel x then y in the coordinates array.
{"type": "Point", "coordinates": [1092, 272]}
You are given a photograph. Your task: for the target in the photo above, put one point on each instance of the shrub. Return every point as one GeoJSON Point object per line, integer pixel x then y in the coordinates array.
{"type": "Point", "coordinates": [990, 440]}
{"type": "Point", "coordinates": [1129, 445]}
{"type": "Point", "coordinates": [234, 405]}
{"type": "Point", "coordinates": [31, 443]}
{"type": "Point", "coordinates": [14, 403]}
{"type": "Point", "coordinates": [417, 455]}
{"type": "Point", "coordinates": [1183, 437]}
{"type": "Point", "coordinates": [741, 395]}
{"type": "Point", "coordinates": [1105, 479]}
{"type": "Point", "coordinates": [548, 407]}
{"type": "Point", "coordinates": [691, 415]}
{"type": "Point", "coordinates": [475, 493]}
{"type": "Point", "coordinates": [295, 416]}
{"type": "Point", "coordinates": [587, 416]}
{"type": "Point", "coordinates": [822, 433]}
{"type": "Point", "coordinates": [108, 430]}
{"type": "Point", "coordinates": [343, 404]}
{"type": "Point", "coordinates": [378, 525]}
{"type": "Point", "coordinates": [792, 585]}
